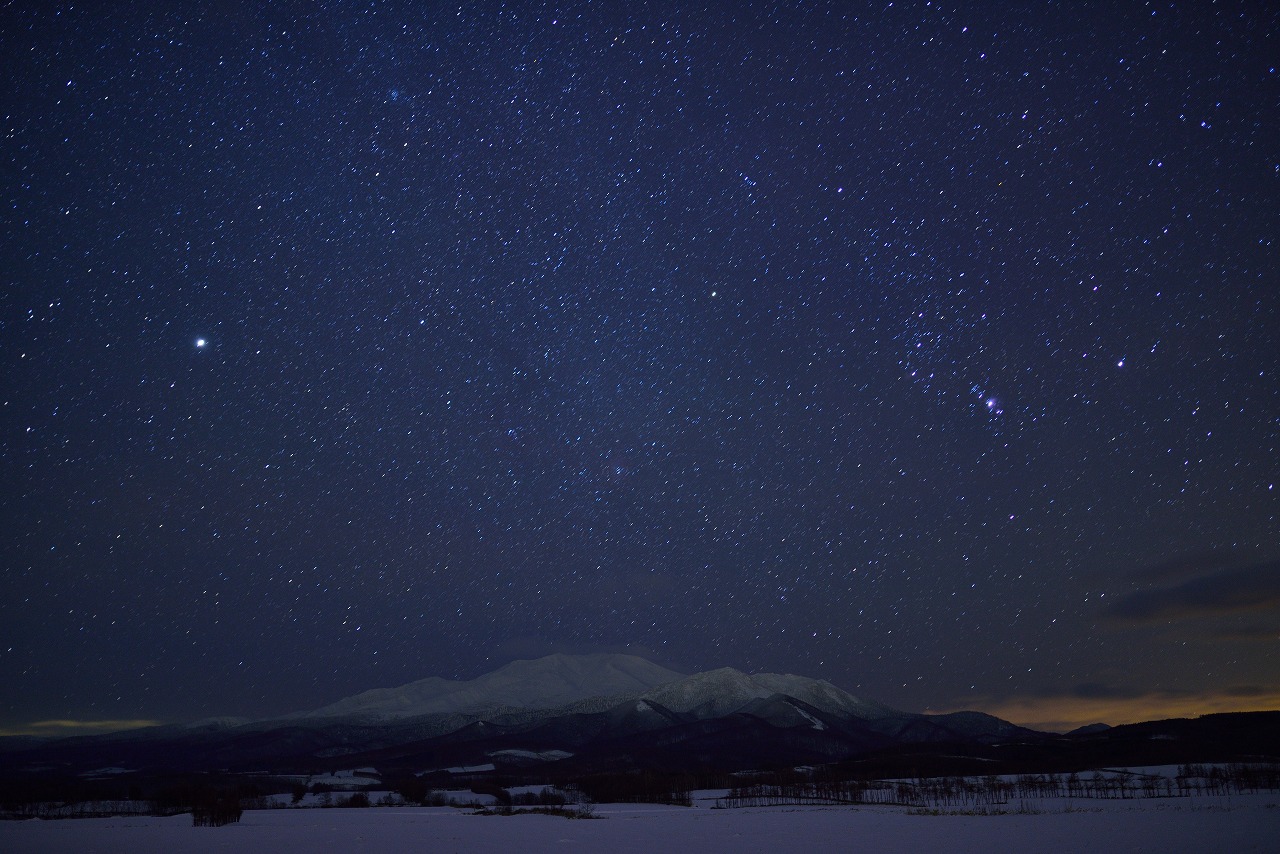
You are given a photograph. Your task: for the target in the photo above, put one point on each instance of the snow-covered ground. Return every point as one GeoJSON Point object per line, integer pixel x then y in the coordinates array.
{"type": "Point", "coordinates": [1237, 824]}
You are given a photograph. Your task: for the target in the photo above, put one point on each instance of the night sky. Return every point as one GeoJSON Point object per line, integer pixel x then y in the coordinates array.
{"type": "Point", "coordinates": [931, 350]}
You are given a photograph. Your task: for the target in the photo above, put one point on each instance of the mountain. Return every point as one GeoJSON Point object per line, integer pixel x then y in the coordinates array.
{"type": "Point", "coordinates": [565, 717]}
{"type": "Point", "coordinates": [953, 727]}
{"type": "Point", "coordinates": [545, 683]}
{"type": "Point", "coordinates": [724, 691]}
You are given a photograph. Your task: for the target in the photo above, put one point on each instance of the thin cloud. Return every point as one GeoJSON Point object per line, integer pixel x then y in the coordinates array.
{"type": "Point", "coordinates": [1188, 566]}
{"type": "Point", "coordinates": [67, 728]}
{"type": "Point", "coordinates": [1246, 633]}
{"type": "Point", "coordinates": [1100, 691]}
{"type": "Point", "coordinates": [1229, 591]}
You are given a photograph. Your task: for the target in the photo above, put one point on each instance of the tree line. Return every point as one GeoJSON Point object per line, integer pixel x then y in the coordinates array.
{"type": "Point", "coordinates": [792, 788]}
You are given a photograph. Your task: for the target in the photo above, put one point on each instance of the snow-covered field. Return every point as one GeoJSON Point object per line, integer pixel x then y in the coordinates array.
{"type": "Point", "coordinates": [1236, 824]}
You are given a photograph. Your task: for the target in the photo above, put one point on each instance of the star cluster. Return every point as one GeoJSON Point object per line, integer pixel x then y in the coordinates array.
{"type": "Point", "coordinates": [898, 344]}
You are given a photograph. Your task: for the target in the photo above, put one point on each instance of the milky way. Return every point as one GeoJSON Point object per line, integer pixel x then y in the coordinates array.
{"type": "Point", "coordinates": [931, 351]}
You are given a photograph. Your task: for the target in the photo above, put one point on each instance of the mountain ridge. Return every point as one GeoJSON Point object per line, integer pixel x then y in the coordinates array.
{"type": "Point", "coordinates": [582, 683]}
{"type": "Point", "coordinates": [547, 717]}
{"type": "Point", "coordinates": [578, 714]}
{"type": "Point", "coordinates": [543, 683]}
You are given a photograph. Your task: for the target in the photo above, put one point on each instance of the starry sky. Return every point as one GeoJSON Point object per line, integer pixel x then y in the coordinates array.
{"type": "Point", "coordinates": [931, 349]}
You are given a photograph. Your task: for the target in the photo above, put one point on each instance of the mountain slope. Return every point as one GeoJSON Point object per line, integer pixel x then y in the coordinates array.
{"type": "Point", "coordinates": [544, 683]}
{"type": "Point", "coordinates": [721, 692]}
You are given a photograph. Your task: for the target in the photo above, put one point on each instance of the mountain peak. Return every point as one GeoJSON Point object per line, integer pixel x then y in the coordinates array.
{"type": "Point", "coordinates": [725, 690]}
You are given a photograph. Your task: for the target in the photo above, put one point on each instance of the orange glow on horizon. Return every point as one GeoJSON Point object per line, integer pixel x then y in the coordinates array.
{"type": "Point", "coordinates": [68, 728]}
{"type": "Point", "coordinates": [1062, 714]}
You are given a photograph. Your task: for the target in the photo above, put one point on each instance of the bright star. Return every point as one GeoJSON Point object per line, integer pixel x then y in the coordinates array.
{"type": "Point", "coordinates": [200, 342]}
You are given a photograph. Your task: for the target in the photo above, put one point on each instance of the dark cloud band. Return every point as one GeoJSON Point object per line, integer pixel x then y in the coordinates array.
{"type": "Point", "coordinates": [1250, 589]}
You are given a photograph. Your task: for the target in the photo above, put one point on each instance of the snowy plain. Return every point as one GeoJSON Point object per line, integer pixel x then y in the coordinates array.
{"type": "Point", "coordinates": [1241, 823]}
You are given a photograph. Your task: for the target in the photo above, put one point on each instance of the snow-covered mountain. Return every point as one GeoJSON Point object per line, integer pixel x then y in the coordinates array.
{"type": "Point", "coordinates": [724, 691]}
{"type": "Point", "coordinates": [583, 713]}
{"type": "Point", "coordinates": [544, 683]}
{"type": "Point", "coordinates": [580, 683]}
